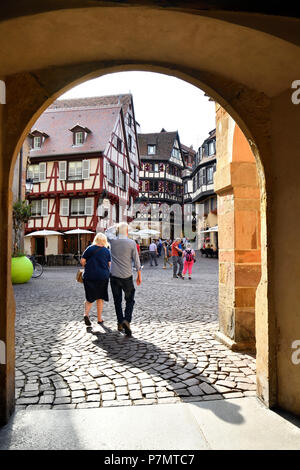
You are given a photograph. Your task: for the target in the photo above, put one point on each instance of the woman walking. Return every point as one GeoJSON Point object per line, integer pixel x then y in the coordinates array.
{"type": "Point", "coordinates": [96, 261]}
{"type": "Point", "coordinates": [189, 259]}
{"type": "Point", "coordinates": [166, 255]}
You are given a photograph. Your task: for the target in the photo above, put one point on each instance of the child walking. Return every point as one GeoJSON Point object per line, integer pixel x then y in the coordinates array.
{"type": "Point", "coordinates": [189, 259]}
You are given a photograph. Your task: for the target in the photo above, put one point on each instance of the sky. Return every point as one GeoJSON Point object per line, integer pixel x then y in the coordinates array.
{"type": "Point", "coordinates": [160, 101]}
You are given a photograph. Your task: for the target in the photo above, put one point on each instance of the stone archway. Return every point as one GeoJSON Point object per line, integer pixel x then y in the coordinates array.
{"type": "Point", "coordinates": [256, 92]}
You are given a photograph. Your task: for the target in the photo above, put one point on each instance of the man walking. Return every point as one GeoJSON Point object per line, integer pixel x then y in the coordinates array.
{"type": "Point", "coordinates": [153, 253]}
{"type": "Point", "coordinates": [123, 253]}
{"type": "Point", "coordinates": [177, 258]}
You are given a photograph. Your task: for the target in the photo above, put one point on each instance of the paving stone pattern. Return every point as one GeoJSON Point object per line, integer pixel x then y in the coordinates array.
{"type": "Point", "coordinates": [172, 356]}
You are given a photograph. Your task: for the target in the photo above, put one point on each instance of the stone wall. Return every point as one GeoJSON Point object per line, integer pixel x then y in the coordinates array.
{"type": "Point", "coordinates": [236, 184]}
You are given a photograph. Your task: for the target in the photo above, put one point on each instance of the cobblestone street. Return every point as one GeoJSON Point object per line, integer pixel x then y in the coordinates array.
{"type": "Point", "coordinates": [172, 356]}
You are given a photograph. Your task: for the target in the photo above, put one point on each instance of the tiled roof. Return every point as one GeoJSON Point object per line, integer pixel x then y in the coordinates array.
{"type": "Point", "coordinates": [188, 149]}
{"type": "Point", "coordinates": [99, 101]}
{"type": "Point", "coordinates": [57, 122]}
{"type": "Point", "coordinates": [164, 142]}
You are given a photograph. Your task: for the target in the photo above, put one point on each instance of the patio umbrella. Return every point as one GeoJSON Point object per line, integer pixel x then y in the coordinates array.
{"type": "Point", "coordinates": [78, 232]}
{"type": "Point", "coordinates": [43, 233]}
{"type": "Point", "coordinates": [145, 233]}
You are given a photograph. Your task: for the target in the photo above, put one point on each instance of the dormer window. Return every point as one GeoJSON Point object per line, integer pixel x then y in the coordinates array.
{"type": "Point", "coordinates": [37, 139]}
{"type": "Point", "coordinates": [79, 138]}
{"type": "Point", "coordinates": [37, 142]}
{"type": "Point", "coordinates": [151, 149]}
{"type": "Point", "coordinates": [80, 134]}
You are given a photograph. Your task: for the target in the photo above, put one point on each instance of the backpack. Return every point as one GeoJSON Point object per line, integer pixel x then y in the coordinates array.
{"type": "Point", "coordinates": [189, 256]}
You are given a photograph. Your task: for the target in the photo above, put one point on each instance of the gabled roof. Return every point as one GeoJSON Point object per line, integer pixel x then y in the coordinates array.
{"type": "Point", "coordinates": [57, 122]}
{"type": "Point", "coordinates": [164, 142]}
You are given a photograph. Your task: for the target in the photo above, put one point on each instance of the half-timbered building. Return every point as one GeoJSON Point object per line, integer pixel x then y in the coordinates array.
{"type": "Point", "coordinates": [161, 183]}
{"type": "Point", "coordinates": [84, 165]}
{"type": "Point", "coordinates": [200, 199]}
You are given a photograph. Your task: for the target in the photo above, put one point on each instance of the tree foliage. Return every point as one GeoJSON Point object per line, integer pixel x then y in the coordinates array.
{"type": "Point", "coordinates": [21, 215]}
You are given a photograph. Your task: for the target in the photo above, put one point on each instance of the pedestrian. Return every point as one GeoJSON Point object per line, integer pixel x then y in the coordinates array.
{"type": "Point", "coordinates": [159, 247]}
{"type": "Point", "coordinates": [166, 253]}
{"type": "Point", "coordinates": [96, 261]}
{"type": "Point", "coordinates": [123, 252]}
{"type": "Point", "coordinates": [153, 253]}
{"type": "Point", "coordinates": [189, 259]}
{"type": "Point", "coordinates": [138, 247]}
{"type": "Point", "coordinates": [177, 258]}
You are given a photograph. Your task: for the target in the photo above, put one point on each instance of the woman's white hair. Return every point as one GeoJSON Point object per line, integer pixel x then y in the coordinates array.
{"type": "Point", "coordinates": [100, 239]}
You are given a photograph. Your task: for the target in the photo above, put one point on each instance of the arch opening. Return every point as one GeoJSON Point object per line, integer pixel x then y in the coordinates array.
{"type": "Point", "coordinates": [224, 190]}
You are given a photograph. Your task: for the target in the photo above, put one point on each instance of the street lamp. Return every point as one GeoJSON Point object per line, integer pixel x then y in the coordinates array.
{"type": "Point", "coordinates": [29, 185]}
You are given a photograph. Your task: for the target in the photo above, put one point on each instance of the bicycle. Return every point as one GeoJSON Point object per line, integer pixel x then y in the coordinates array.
{"type": "Point", "coordinates": [37, 267]}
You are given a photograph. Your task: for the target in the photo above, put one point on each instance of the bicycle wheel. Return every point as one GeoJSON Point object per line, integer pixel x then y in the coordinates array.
{"type": "Point", "coordinates": [37, 270]}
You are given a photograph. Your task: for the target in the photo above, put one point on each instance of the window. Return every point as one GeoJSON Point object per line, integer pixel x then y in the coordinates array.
{"type": "Point", "coordinates": [185, 187]}
{"type": "Point", "coordinates": [37, 172]}
{"type": "Point", "coordinates": [75, 171]}
{"type": "Point", "coordinates": [110, 173]}
{"type": "Point", "coordinates": [119, 144]}
{"type": "Point", "coordinates": [200, 154]}
{"type": "Point", "coordinates": [33, 173]}
{"type": "Point", "coordinates": [79, 138]}
{"type": "Point", "coordinates": [130, 143]}
{"type": "Point", "coordinates": [210, 172]}
{"type": "Point", "coordinates": [211, 148]}
{"type": "Point", "coordinates": [129, 120]}
{"type": "Point", "coordinates": [206, 207]}
{"type": "Point", "coordinates": [36, 208]}
{"type": "Point", "coordinates": [151, 149]}
{"type": "Point", "coordinates": [153, 186]}
{"type": "Point", "coordinates": [37, 142]}
{"type": "Point", "coordinates": [176, 152]}
{"type": "Point", "coordinates": [77, 206]}
{"type": "Point", "coordinates": [122, 179]}
{"type": "Point", "coordinates": [213, 202]}
{"type": "Point", "coordinates": [155, 167]}
{"type": "Point", "coordinates": [64, 207]}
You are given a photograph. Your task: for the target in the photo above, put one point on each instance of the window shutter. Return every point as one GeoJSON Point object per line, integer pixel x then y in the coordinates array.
{"type": "Point", "coordinates": [44, 208]}
{"type": "Point", "coordinates": [85, 169]}
{"type": "Point", "coordinates": [100, 210]}
{"type": "Point", "coordinates": [114, 213]}
{"type": "Point", "coordinates": [118, 179]}
{"type": "Point", "coordinates": [42, 171]}
{"type": "Point", "coordinates": [64, 207]}
{"type": "Point", "coordinates": [127, 181]}
{"type": "Point", "coordinates": [89, 206]}
{"type": "Point", "coordinates": [62, 170]}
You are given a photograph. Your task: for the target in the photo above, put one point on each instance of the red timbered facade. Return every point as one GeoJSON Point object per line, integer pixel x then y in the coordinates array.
{"type": "Point", "coordinates": [84, 166]}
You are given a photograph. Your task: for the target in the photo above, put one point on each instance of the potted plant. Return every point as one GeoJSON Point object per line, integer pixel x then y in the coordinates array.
{"type": "Point", "coordinates": [21, 266]}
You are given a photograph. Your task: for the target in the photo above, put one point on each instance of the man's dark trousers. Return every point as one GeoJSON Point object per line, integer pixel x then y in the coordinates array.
{"type": "Point", "coordinates": [118, 286]}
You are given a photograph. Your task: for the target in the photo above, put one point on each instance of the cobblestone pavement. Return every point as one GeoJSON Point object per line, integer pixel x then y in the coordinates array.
{"type": "Point", "coordinates": [172, 356]}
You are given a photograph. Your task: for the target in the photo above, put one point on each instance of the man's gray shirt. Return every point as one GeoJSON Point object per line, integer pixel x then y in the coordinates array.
{"type": "Point", "coordinates": [123, 253]}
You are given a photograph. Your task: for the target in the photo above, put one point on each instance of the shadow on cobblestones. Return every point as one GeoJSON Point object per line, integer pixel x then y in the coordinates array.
{"type": "Point", "coordinates": [174, 374]}
{"type": "Point", "coordinates": [172, 357]}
